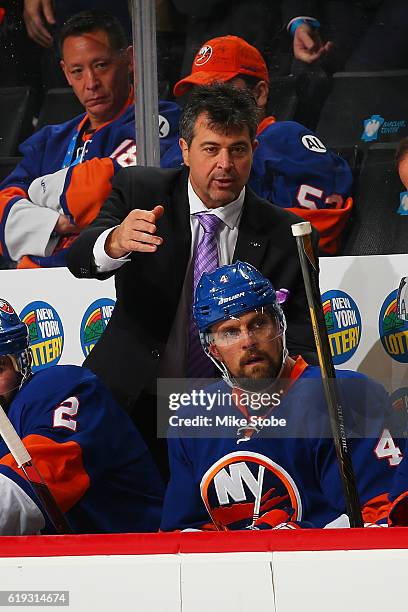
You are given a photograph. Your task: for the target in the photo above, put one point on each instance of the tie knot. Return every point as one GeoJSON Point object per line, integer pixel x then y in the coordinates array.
{"type": "Point", "coordinates": [208, 222]}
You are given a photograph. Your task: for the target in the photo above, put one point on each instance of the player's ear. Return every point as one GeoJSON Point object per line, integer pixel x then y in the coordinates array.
{"type": "Point", "coordinates": [184, 150]}
{"type": "Point", "coordinates": [129, 58]}
{"type": "Point", "coordinates": [260, 93]}
{"type": "Point", "coordinates": [254, 145]}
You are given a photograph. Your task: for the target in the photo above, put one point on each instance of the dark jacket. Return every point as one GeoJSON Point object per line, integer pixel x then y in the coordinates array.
{"type": "Point", "coordinates": [148, 287]}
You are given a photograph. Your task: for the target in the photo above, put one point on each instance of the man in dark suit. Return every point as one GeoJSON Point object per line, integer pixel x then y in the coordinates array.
{"type": "Point", "coordinates": [149, 235]}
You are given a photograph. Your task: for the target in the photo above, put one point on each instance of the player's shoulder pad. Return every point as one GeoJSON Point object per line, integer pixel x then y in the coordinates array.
{"type": "Point", "coordinates": [169, 117]}
{"type": "Point", "coordinates": [55, 379]}
{"type": "Point", "coordinates": [292, 133]}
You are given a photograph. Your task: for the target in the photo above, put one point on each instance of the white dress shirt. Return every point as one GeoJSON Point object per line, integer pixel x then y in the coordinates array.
{"type": "Point", "coordinates": [173, 362]}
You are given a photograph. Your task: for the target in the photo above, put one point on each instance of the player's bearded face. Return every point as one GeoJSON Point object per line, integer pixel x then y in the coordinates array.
{"type": "Point", "coordinates": [250, 347]}
{"type": "Point", "coordinates": [9, 380]}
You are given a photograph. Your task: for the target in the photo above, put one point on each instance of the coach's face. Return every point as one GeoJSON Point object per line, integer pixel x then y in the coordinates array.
{"type": "Point", "coordinates": [98, 74]}
{"type": "Point", "coordinates": [219, 162]}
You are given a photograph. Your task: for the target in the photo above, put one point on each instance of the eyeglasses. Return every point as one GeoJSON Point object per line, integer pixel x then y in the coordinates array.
{"type": "Point", "coordinates": [261, 328]}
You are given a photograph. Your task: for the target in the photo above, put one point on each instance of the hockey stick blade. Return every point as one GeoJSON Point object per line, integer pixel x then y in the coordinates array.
{"type": "Point", "coordinates": [302, 233]}
{"type": "Point", "coordinates": [25, 463]}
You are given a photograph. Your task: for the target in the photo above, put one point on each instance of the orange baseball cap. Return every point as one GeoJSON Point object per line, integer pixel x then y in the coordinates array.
{"type": "Point", "coordinates": [222, 59]}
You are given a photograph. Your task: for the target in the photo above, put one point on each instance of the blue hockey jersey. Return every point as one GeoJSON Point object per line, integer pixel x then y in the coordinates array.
{"type": "Point", "coordinates": [88, 452]}
{"type": "Point", "coordinates": [224, 481]}
{"type": "Point", "coordinates": [66, 170]}
{"type": "Point", "coordinates": [293, 168]}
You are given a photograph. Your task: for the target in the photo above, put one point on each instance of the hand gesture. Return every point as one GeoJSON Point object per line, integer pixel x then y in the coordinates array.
{"type": "Point", "coordinates": [307, 44]}
{"type": "Point", "coordinates": [135, 233]}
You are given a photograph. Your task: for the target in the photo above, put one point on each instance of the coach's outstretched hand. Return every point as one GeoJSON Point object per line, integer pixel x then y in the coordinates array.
{"type": "Point", "coordinates": [135, 233]}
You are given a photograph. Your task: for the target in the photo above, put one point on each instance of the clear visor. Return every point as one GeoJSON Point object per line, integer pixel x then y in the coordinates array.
{"type": "Point", "coordinates": [262, 325]}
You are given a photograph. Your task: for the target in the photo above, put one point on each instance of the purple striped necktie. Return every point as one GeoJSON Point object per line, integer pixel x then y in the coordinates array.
{"type": "Point", "coordinates": [205, 260]}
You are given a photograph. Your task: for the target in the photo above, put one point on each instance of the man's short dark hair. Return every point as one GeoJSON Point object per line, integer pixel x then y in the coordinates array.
{"type": "Point", "coordinates": [90, 21]}
{"type": "Point", "coordinates": [228, 108]}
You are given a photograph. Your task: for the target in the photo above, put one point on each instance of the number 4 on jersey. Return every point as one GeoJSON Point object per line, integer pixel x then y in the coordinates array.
{"type": "Point", "coordinates": [386, 449]}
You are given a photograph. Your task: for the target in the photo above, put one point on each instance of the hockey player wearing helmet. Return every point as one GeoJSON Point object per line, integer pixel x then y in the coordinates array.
{"type": "Point", "coordinates": [15, 356]}
{"type": "Point", "coordinates": [242, 325]}
{"type": "Point", "coordinates": [261, 465]}
{"type": "Point", "coordinates": [86, 448]}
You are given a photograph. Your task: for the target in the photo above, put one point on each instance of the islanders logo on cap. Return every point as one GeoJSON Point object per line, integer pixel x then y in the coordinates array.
{"type": "Point", "coordinates": [46, 333]}
{"type": "Point", "coordinates": [203, 55]}
{"type": "Point", "coordinates": [393, 331]}
{"type": "Point", "coordinates": [343, 322]}
{"type": "Point", "coordinates": [93, 323]}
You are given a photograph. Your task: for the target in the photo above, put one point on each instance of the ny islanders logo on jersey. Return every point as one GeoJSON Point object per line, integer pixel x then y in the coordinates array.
{"type": "Point", "coordinates": [393, 331]}
{"type": "Point", "coordinates": [5, 307]}
{"type": "Point", "coordinates": [46, 333]}
{"type": "Point", "coordinates": [93, 323]}
{"type": "Point", "coordinates": [242, 486]}
{"type": "Point", "coordinates": [343, 322]}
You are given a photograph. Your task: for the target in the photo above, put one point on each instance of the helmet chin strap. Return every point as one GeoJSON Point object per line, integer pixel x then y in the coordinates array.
{"type": "Point", "coordinates": [22, 365]}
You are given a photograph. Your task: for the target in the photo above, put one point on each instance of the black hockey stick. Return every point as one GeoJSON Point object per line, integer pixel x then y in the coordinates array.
{"type": "Point", "coordinates": [24, 461]}
{"type": "Point", "coordinates": [302, 233]}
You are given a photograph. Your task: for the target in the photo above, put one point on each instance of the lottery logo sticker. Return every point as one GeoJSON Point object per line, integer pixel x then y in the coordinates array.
{"type": "Point", "coordinates": [93, 323]}
{"type": "Point", "coordinates": [393, 331]}
{"type": "Point", "coordinates": [343, 322]}
{"type": "Point", "coordinates": [46, 333]}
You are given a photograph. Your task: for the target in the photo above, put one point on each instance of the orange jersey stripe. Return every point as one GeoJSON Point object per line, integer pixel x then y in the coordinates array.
{"type": "Point", "coordinates": [88, 188]}
{"type": "Point", "coordinates": [8, 193]}
{"type": "Point", "coordinates": [265, 123]}
{"type": "Point", "coordinates": [376, 508]}
{"type": "Point", "coordinates": [330, 222]}
{"type": "Point", "coordinates": [60, 465]}
{"type": "Point", "coordinates": [26, 262]}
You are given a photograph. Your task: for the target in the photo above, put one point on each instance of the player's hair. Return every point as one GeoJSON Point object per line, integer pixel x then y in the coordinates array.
{"type": "Point", "coordinates": [228, 108]}
{"type": "Point", "coordinates": [90, 21]}
{"type": "Point", "coordinates": [402, 151]}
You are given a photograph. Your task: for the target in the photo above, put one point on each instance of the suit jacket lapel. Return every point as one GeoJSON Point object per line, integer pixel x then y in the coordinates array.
{"type": "Point", "coordinates": [181, 231]}
{"type": "Point", "coordinates": [253, 237]}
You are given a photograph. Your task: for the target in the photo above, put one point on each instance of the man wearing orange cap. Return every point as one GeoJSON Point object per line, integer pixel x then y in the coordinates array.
{"type": "Point", "coordinates": [291, 166]}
